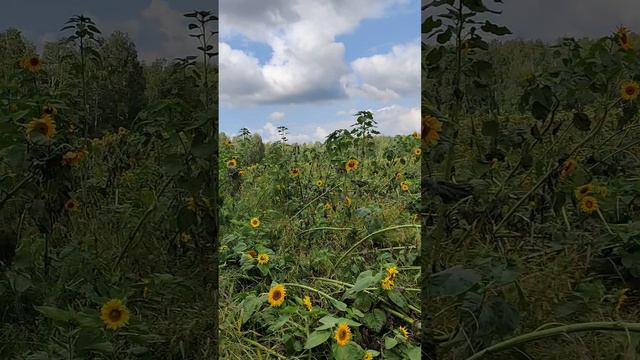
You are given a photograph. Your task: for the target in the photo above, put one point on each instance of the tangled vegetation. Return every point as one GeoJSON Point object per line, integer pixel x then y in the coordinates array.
{"type": "Point", "coordinates": [319, 246]}
{"type": "Point", "coordinates": [532, 228]}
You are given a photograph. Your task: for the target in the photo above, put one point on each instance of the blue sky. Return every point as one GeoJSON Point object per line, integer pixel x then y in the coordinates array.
{"type": "Point", "coordinates": [311, 65]}
{"type": "Point", "coordinates": [157, 27]}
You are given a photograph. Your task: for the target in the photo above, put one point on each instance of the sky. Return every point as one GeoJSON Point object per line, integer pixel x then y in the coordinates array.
{"type": "Point", "coordinates": [157, 27]}
{"type": "Point", "coordinates": [310, 65]}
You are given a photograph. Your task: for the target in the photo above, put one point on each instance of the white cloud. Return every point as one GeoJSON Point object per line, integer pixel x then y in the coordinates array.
{"type": "Point", "coordinates": [269, 133]}
{"type": "Point", "coordinates": [276, 115]}
{"type": "Point", "coordinates": [386, 76]}
{"type": "Point", "coordinates": [307, 63]}
{"type": "Point", "coordinates": [395, 119]}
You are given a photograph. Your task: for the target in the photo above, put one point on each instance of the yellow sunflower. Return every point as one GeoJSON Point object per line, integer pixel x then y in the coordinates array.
{"type": "Point", "coordinates": [392, 272]}
{"type": "Point", "coordinates": [403, 330]}
{"type": "Point", "coordinates": [294, 172]}
{"type": "Point", "coordinates": [398, 176]}
{"type": "Point", "coordinates": [307, 302]}
{"type": "Point", "coordinates": [416, 135]}
{"type": "Point", "coordinates": [263, 259]}
{"type": "Point", "coordinates": [44, 125]}
{"type": "Point", "coordinates": [417, 151]}
{"type": "Point", "coordinates": [319, 183]}
{"type": "Point", "coordinates": [629, 90]}
{"type": "Point", "coordinates": [622, 35]}
{"type": "Point", "coordinates": [71, 205]}
{"type": "Point", "coordinates": [254, 222]}
{"type": "Point", "coordinates": [251, 253]}
{"type": "Point", "coordinates": [122, 131]}
{"type": "Point", "coordinates": [431, 128]}
{"type": "Point", "coordinates": [232, 163]}
{"type": "Point", "coordinates": [328, 206]}
{"type": "Point", "coordinates": [191, 204]}
{"type": "Point", "coordinates": [387, 283]}
{"type": "Point", "coordinates": [277, 294]}
{"type": "Point", "coordinates": [227, 142]}
{"type": "Point", "coordinates": [584, 190]}
{"type": "Point", "coordinates": [114, 314]}
{"type": "Point", "coordinates": [589, 204]}
{"type": "Point", "coordinates": [568, 168]}
{"type": "Point", "coordinates": [343, 334]}
{"type": "Point", "coordinates": [367, 356]}
{"type": "Point", "coordinates": [31, 63]}
{"type": "Point", "coordinates": [347, 201]}
{"type": "Point", "coordinates": [404, 186]}
{"type": "Point", "coordinates": [351, 165]}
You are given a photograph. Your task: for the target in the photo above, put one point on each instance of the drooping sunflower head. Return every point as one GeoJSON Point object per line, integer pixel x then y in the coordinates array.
{"type": "Point", "coordinates": [251, 253]}
{"type": "Point", "coordinates": [392, 272]}
{"type": "Point", "coordinates": [114, 314]}
{"type": "Point", "coordinates": [307, 302]}
{"type": "Point", "coordinates": [263, 259]}
{"type": "Point", "coordinates": [415, 135]}
{"type": "Point", "coordinates": [417, 151]}
{"type": "Point", "coordinates": [319, 183]}
{"type": "Point", "coordinates": [351, 165]}
{"type": "Point", "coordinates": [584, 190]}
{"type": "Point", "coordinates": [191, 203]}
{"type": "Point", "coordinates": [294, 172]}
{"type": "Point", "coordinates": [71, 205]}
{"type": "Point", "coordinates": [629, 90]}
{"type": "Point", "coordinates": [387, 283]}
{"type": "Point", "coordinates": [347, 201]}
{"type": "Point", "coordinates": [49, 110]}
{"type": "Point", "coordinates": [276, 295]}
{"type": "Point", "coordinates": [622, 36]}
{"type": "Point", "coordinates": [568, 168]}
{"type": "Point", "coordinates": [232, 163]}
{"type": "Point", "coordinates": [403, 330]}
{"type": "Point", "coordinates": [431, 128]}
{"type": "Point", "coordinates": [343, 334]}
{"type": "Point", "coordinates": [44, 126]}
{"type": "Point", "coordinates": [254, 222]}
{"type": "Point", "coordinates": [398, 176]}
{"type": "Point", "coordinates": [31, 63]}
{"type": "Point", "coordinates": [589, 204]}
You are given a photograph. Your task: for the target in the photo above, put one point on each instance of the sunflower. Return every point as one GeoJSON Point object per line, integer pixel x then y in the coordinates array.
{"type": "Point", "coordinates": [191, 204]}
{"type": "Point", "coordinates": [404, 186]}
{"type": "Point", "coordinates": [398, 176]}
{"type": "Point", "coordinates": [403, 330]}
{"type": "Point", "coordinates": [629, 90]}
{"type": "Point", "coordinates": [71, 205]}
{"type": "Point", "coordinates": [417, 151]}
{"type": "Point", "coordinates": [430, 129]}
{"type": "Point", "coordinates": [31, 63]}
{"type": "Point", "coordinates": [343, 334]}
{"type": "Point", "coordinates": [416, 135]}
{"type": "Point", "coordinates": [307, 302]}
{"type": "Point", "coordinates": [232, 163]}
{"type": "Point", "coordinates": [347, 201]}
{"type": "Point", "coordinates": [227, 142]}
{"type": "Point", "coordinates": [277, 294]}
{"type": "Point", "coordinates": [367, 356]}
{"type": "Point", "coordinates": [387, 283]}
{"type": "Point", "coordinates": [114, 314]}
{"type": "Point", "coordinates": [568, 168]}
{"type": "Point", "coordinates": [44, 125]}
{"type": "Point", "coordinates": [622, 35]}
{"type": "Point", "coordinates": [351, 165]}
{"type": "Point", "coordinates": [263, 259]}
{"type": "Point", "coordinates": [584, 190]}
{"type": "Point", "coordinates": [589, 204]}
{"type": "Point", "coordinates": [392, 272]}
{"type": "Point", "coordinates": [294, 172]}
{"type": "Point", "coordinates": [254, 222]}
{"type": "Point", "coordinates": [241, 173]}
{"type": "Point", "coordinates": [122, 131]}
{"type": "Point", "coordinates": [328, 206]}
{"type": "Point", "coordinates": [622, 298]}
{"type": "Point", "coordinates": [319, 183]}
{"type": "Point", "coordinates": [185, 238]}
{"type": "Point", "coordinates": [251, 253]}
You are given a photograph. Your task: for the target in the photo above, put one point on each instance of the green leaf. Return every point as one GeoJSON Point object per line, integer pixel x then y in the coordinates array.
{"type": "Point", "coordinates": [495, 29]}
{"type": "Point", "coordinates": [490, 128]}
{"type": "Point", "coordinates": [581, 121]}
{"type": "Point", "coordinates": [397, 299]}
{"type": "Point", "coordinates": [54, 313]}
{"type": "Point", "coordinates": [452, 282]}
{"type": "Point", "coordinates": [390, 343]}
{"type": "Point", "coordinates": [375, 320]}
{"type": "Point", "coordinates": [364, 281]}
{"type": "Point", "coordinates": [444, 37]}
{"type": "Point", "coordinates": [430, 24]}
{"type": "Point", "coordinates": [249, 305]}
{"type": "Point", "coordinates": [316, 338]}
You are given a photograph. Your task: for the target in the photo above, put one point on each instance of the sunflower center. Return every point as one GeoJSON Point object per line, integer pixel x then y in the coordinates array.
{"type": "Point", "coordinates": [342, 334]}
{"type": "Point", "coordinates": [115, 314]}
{"type": "Point", "coordinates": [589, 204]}
{"type": "Point", "coordinates": [277, 295]}
{"type": "Point", "coordinates": [71, 205]}
{"type": "Point", "coordinates": [42, 128]}
{"type": "Point", "coordinates": [34, 61]}
{"type": "Point", "coordinates": [630, 90]}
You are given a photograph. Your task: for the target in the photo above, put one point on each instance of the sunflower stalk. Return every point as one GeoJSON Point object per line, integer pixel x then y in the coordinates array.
{"type": "Point", "coordinates": [373, 234]}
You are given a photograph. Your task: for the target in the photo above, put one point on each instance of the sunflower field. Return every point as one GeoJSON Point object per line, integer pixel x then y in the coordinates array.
{"type": "Point", "coordinates": [106, 177]}
{"type": "Point", "coordinates": [319, 253]}
{"type": "Point", "coordinates": [531, 182]}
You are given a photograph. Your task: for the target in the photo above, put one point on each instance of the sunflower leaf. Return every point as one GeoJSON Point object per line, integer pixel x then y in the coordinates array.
{"type": "Point", "coordinates": [316, 338]}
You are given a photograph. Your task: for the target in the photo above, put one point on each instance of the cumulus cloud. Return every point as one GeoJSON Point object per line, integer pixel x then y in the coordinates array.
{"type": "Point", "coordinates": [306, 64]}
{"type": "Point", "coordinates": [276, 115]}
{"type": "Point", "coordinates": [386, 76]}
{"type": "Point", "coordinates": [397, 120]}
{"type": "Point", "coordinates": [269, 133]}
